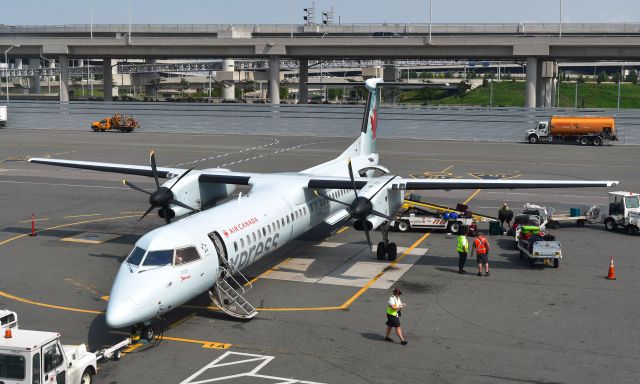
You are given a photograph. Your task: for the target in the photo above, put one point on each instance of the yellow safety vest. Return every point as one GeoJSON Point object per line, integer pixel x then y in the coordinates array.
{"type": "Point", "coordinates": [463, 244]}
{"type": "Point", "coordinates": [390, 310]}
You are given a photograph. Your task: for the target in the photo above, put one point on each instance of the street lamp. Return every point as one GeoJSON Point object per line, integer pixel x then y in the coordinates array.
{"type": "Point", "coordinates": [6, 60]}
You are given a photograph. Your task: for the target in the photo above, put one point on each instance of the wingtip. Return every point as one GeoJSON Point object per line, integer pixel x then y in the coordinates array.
{"type": "Point", "coordinates": [612, 183]}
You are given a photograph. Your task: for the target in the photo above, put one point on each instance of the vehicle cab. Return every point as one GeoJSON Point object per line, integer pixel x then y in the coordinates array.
{"type": "Point", "coordinates": [540, 129]}
{"type": "Point", "coordinates": [34, 357]}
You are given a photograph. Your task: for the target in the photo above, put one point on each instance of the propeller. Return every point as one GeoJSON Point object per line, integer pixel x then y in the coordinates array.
{"type": "Point", "coordinates": [361, 207]}
{"type": "Point", "coordinates": [162, 196]}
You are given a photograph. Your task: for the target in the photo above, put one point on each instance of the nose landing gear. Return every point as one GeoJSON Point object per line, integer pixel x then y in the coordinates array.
{"type": "Point", "coordinates": [385, 248]}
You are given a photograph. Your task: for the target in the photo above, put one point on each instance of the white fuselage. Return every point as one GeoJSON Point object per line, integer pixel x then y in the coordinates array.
{"type": "Point", "coordinates": [250, 227]}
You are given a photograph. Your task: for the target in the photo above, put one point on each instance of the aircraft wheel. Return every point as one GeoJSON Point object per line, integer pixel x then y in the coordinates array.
{"type": "Point", "coordinates": [381, 251]}
{"type": "Point", "coordinates": [556, 263]}
{"type": "Point", "coordinates": [148, 333]}
{"type": "Point", "coordinates": [392, 251]}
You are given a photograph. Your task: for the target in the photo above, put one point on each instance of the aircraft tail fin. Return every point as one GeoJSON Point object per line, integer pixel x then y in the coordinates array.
{"type": "Point", "coordinates": [366, 143]}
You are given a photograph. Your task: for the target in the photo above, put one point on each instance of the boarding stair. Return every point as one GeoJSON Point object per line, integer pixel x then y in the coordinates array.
{"type": "Point", "coordinates": [228, 292]}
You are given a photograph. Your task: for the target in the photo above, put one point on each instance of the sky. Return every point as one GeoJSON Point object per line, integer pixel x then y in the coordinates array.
{"type": "Point", "coordinates": [50, 12]}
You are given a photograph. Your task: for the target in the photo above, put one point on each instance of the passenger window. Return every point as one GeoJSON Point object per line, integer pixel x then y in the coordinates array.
{"type": "Point", "coordinates": [292, 217]}
{"type": "Point", "coordinates": [52, 358]}
{"type": "Point", "coordinates": [297, 215]}
{"type": "Point", "coordinates": [241, 243]}
{"type": "Point", "coordinates": [235, 248]}
{"type": "Point", "coordinates": [12, 367]}
{"type": "Point", "coordinates": [287, 219]}
{"type": "Point", "coordinates": [35, 371]}
{"type": "Point", "coordinates": [304, 210]}
{"type": "Point", "coordinates": [283, 221]}
{"type": "Point", "coordinates": [187, 255]}
{"type": "Point", "coordinates": [269, 228]}
{"type": "Point", "coordinates": [278, 224]}
{"type": "Point", "coordinates": [254, 237]}
{"type": "Point", "coordinates": [158, 258]}
{"type": "Point", "coordinates": [248, 240]}
{"type": "Point", "coordinates": [264, 231]}
{"type": "Point", "coordinates": [136, 256]}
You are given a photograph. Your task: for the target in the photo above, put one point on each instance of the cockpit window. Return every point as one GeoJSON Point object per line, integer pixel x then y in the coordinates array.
{"type": "Point", "coordinates": [156, 258]}
{"type": "Point", "coordinates": [186, 255]}
{"type": "Point", "coordinates": [136, 256]}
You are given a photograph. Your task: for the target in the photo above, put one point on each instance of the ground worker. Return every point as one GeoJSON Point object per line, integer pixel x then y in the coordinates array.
{"type": "Point", "coordinates": [481, 248]}
{"type": "Point", "coordinates": [394, 306]}
{"type": "Point", "coordinates": [463, 249]}
{"type": "Point", "coordinates": [505, 215]}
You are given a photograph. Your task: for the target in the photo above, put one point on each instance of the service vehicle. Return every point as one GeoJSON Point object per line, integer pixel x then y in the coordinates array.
{"type": "Point", "coordinates": [417, 220]}
{"type": "Point", "coordinates": [547, 252]}
{"type": "Point", "coordinates": [34, 357]}
{"type": "Point", "coordinates": [624, 212]}
{"type": "Point", "coordinates": [3, 115]}
{"type": "Point", "coordinates": [586, 130]}
{"type": "Point", "coordinates": [117, 122]}
{"type": "Point", "coordinates": [580, 218]}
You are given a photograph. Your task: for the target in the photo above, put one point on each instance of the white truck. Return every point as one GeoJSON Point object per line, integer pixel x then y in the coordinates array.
{"type": "Point", "coordinates": [35, 357]}
{"type": "Point", "coordinates": [624, 212]}
{"type": "Point", "coordinates": [548, 252]}
{"type": "Point", "coordinates": [3, 115]}
{"type": "Point", "coordinates": [411, 220]}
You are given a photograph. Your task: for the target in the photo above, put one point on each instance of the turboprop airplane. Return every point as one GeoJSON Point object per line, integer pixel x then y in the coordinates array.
{"type": "Point", "coordinates": [211, 243]}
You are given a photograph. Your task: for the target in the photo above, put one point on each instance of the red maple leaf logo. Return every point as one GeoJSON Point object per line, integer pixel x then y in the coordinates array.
{"type": "Point", "coordinates": [374, 122]}
{"type": "Point", "coordinates": [225, 233]}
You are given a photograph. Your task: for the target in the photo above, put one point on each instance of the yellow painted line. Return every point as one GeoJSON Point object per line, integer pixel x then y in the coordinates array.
{"type": "Point", "coordinates": [131, 213]}
{"type": "Point", "coordinates": [205, 344]}
{"type": "Point", "coordinates": [45, 305]}
{"type": "Point", "coordinates": [472, 196]}
{"type": "Point", "coordinates": [268, 271]}
{"type": "Point", "coordinates": [446, 169]}
{"type": "Point", "coordinates": [175, 324]}
{"type": "Point", "coordinates": [342, 230]}
{"type": "Point", "coordinates": [131, 348]}
{"type": "Point", "coordinates": [379, 275]}
{"type": "Point", "coordinates": [28, 221]}
{"type": "Point", "coordinates": [87, 215]}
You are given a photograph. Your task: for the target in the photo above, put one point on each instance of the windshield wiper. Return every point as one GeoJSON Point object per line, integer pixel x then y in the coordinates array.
{"type": "Point", "coordinates": [153, 268]}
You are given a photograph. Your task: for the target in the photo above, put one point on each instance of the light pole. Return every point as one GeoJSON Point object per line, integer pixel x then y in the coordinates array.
{"type": "Point", "coordinates": [619, 81]}
{"type": "Point", "coordinates": [6, 60]}
{"type": "Point", "coordinates": [430, 18]}
{"type": "Point", "coordinates": [560, 18]}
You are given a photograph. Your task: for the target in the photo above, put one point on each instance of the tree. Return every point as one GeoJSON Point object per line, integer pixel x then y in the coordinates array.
{"type": "Point", "coordinates": [580, 79]}
{"type": "Point", "coordinates": [284, 92]}
{"type": "Point", "coordinates": [155, 85]}
{"type": "Point", "coordinates": [184, 84]}
{"type": "Point", "coordinates": [462, 89]}
{"type": "Point", "coordinates": [602, 76]}
{"type": "Point", "coordinates": [632, 77]}
{"type": "Point", "coordinates": [616, 77]}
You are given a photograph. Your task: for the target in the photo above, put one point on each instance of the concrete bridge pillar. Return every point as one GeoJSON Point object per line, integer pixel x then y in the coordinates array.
{"type": "Point", "coordinates": [539, 85]}
{"type": "Point", "coordinates": [64, 78]}
{"type": "Point", "coordinates": [274, 79]}
{"type": "Point", "coordinates": [107, 80]}
{"type": "Point", "coordinates": [228, 87]}
{"type": "Point", "coordinates": [532, 78]}
{"type": "Point", "coordinates": [35, 80]}
{"type": "Point", "coordinates": [389, 75]}
{"type": "Point", "coordinates": [548, 76]}
{"type": "Point", "coordinates": [303, 78]}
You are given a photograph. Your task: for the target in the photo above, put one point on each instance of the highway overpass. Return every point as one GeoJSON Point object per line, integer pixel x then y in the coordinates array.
{"type": "Point", "coordinates": [539, 45]}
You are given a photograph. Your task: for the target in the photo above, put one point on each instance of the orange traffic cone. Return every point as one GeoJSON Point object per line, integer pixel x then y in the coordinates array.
{"type": "Point", "coordinates": [612, 271]}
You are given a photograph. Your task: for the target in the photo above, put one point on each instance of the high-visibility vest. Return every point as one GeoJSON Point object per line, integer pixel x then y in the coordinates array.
{"type": "Point", "coordinates": [463, 244]}
{"type": "Point", "coordinates": [390, 310]}
{"type": "Point", "coordinates": [481, 247]}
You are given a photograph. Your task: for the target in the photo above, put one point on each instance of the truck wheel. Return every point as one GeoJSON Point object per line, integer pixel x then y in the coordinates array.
{"type": "Point", "coordinates": [610, 225]}
{"type": "Point", "coordinates": [584, 140]}
{"type": "Point", "coordinates": [87, 377]}
{"type": "Point", "coordinates": [532, 263]}
{"type": "Point", "coordinates": [392, 252]}
{"type": "Point", "coordinates": [94, 129]}
{"type": "Point", "coordinates": [454, 227]}
{"type": "Point", "coordinates": [117, 355]}
{"type": "Point", "coordinates": [533, 139]}
{"type": "Point", "coordinates": [403, 226]}
{"type": "Point", "coordinates": [381, 251]}
{"type": "Point", "coordinates": [556, 263]}
{"type": "Point", "coordinates": [632, 229]}
{"type": "Point", "coordinates": [597, 141]}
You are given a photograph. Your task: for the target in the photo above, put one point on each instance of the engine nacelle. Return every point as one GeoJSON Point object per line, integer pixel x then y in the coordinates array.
{"type": "Point", "coordinates": [371, 223]}
{"type": "Point", "coordinates": [196, 194]}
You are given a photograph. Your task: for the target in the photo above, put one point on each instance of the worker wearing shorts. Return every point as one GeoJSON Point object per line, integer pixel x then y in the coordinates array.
{"type": "Point", "coordinates": [481, 248]}
{"type": "Point", "coordinates": [393, 316]}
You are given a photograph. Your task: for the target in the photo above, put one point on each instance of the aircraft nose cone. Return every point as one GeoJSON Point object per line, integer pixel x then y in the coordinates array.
{"type": "Point", "coordinates": [120, 313]}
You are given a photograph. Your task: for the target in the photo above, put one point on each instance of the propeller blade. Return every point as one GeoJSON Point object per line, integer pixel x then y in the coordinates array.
{"type": "Point", "coordinates": [380, 214]}
{"type": "Point", "coordinates": [154, 168]}
{"type": "Point", "coordinates": [146, 213]}
{"type": "Point", "coordinates": [133, 186]}
{"type": "Point", "coordinates": [180, 178]}
{"type": "Point", "coordinates": [381, 188]}
{"type": "Point", "coordinates": [366, 233]}
{"type": "Point", "coordinates": [353, 181]}
{"type": "Point", "coordinates": [331, 199]}
{"type": "Point", "coordinates": [181, 204]}
{"type": "Point", "coordinates": [167, 219]}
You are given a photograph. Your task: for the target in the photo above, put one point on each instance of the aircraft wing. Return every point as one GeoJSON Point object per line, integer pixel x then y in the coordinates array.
{"type": "Point", "coordinates": [400, 183]}
{"type": "Point", "coordinates": [223, 176]}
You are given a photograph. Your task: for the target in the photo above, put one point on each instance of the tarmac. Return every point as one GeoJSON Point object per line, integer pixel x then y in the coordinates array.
{"type": "Point", "coordinates": [322, 298]}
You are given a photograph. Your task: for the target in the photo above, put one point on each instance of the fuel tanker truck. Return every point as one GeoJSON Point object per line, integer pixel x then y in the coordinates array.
{"type": "Point", "coordinates": [585, 130]}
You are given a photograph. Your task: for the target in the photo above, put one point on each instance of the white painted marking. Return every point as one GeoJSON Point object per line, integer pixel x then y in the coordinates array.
{"type": "Point", "coordinates": [252, 364]}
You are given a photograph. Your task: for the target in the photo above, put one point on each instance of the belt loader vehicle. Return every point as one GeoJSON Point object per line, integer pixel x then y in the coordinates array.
{"type": "Point", "coordinates": [585, 130]}
{"type": "Point", "coordinates": [35, 357]}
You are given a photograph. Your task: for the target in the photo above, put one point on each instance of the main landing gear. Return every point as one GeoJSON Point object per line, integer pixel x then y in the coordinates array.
{"type": "Point", "coordinates": [385, 248]}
